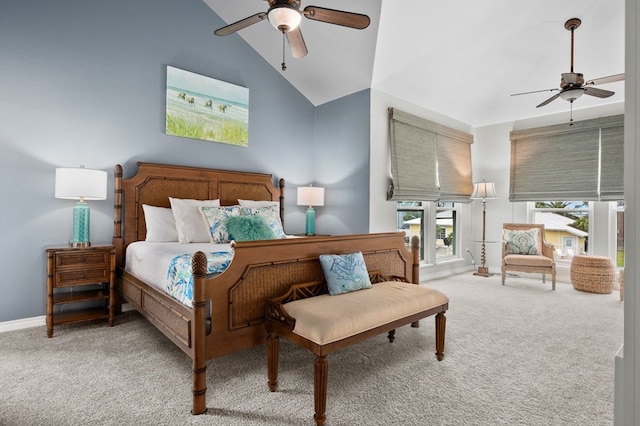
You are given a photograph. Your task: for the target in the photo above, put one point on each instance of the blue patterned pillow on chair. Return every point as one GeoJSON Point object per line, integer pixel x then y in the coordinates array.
{"type": "Point", "coordinates": [345, 272]}
{"type": "Point", "coordinates": [522, 242]}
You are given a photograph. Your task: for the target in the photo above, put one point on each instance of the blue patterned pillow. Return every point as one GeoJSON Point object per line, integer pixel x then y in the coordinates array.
{"type": "Point", "coordinates": [271, 213]}
{"type": "Point", "coordinates": [522, 242]}
{"type": "Point", "coordinates": [249, 228]}
{"type": "Point", "coordinates": [216, 220]}
{"type": "Point", "coordinates": [345, 273]}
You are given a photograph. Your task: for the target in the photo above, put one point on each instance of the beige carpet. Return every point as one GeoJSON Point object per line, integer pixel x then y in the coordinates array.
{"type": "Point", "coordinates": [514, 355]}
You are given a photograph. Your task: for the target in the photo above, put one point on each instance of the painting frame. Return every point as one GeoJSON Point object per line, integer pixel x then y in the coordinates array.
{"type": "Point", "coordinates": [204, 108]}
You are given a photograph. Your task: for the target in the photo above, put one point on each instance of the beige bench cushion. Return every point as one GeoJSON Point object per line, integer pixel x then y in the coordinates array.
{"type": "Point", "coordinates": [528, 260]}
{"type": "Point", "coordinates": [325, 319]}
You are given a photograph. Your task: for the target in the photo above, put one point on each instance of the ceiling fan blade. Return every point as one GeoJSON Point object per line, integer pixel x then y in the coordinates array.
{"type": "Point", "coordinates": [296, 43]}
{"type": "Point", "coordinates": [604, 80]}
{"type": "Point", "coordinates": [337, 17]}
{"type": "Point", "coordinates": [553, 98]}
{"type": "Point", "coordinates": [535, 91]}
{"type": "Point", "coordinates": [243, 23]}
{"type": "Point", "coordinates": [599, 93]}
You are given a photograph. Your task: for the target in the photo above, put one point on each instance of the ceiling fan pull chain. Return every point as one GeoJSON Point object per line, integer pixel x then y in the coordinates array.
{"type": "Point", "coordinates": [284, 66]}
{"type": "Point", "coordinates": [571, 114]}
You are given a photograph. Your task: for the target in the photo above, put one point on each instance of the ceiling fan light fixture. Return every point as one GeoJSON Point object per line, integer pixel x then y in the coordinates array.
{"type": "Point", "coordinates": [284, 18]}
{"type": "Point", "coordinates": [572, 94]}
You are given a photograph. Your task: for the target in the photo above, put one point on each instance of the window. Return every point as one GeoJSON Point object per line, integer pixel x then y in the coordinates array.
{"type": "Point", "coordinates": [415, 217]}
{"type": "Point", "coordinates": [446, 224]}
{"type": "Point", "coordinates": [566, 225]}
{"type": "Point", "coordinates": [410, 217]}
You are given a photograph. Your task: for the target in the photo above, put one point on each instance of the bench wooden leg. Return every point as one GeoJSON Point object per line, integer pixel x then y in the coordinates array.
{"type": "Point", "coordinates": [321, 370]}
{"type": "Point", "coordinates": [441, 322]}
{"type": "Point", "coordinates": [391, 335]}
{"type": "Point", "coordinates": [273, 355]}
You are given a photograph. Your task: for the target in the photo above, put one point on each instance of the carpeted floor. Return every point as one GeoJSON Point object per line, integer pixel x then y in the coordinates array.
{"type": "Point", "coordinates": [514, 355]}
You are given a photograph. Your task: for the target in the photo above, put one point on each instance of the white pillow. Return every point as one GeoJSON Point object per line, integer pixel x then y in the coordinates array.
{"type": "Point", "coordinates": [189, 222]}
{"type": "Point", "coordinates": [161, 226]}
{"type": "Point", "coordinates": [253, 203]}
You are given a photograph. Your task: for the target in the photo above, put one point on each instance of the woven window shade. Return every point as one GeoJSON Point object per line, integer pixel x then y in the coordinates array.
{"type": "Point", "coordinates": [563, 162]}
{"type": "Point", "coordinates": [454, 169]}
{"type": "Point", "coordinates": [612, 170]}
{"type": "Point", "coordinates": [428, 161]}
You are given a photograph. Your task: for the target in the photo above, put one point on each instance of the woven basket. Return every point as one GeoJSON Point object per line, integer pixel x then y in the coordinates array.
{"type": "Point", "coordinates": [594, 274]}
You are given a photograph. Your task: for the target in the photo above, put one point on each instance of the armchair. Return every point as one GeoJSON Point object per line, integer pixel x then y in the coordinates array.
{"type": "Point", "coordinates": [525, 249]}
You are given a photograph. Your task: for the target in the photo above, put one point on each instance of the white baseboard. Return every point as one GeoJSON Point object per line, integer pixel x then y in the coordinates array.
{"type": "Point", "coordinates": [20, 324]}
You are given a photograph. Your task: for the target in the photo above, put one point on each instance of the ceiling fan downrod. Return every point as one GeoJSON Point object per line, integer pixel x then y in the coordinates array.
{"type": "Point", "coordinates": [571, 25]}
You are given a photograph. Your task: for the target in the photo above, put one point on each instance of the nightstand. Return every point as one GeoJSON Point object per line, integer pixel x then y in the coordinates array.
{"type": "Point", "coordinates": [80, 275]}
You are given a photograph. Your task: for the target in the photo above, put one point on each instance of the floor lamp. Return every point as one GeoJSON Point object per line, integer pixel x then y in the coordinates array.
{"type": "Point", "coordinates": [483, 191]}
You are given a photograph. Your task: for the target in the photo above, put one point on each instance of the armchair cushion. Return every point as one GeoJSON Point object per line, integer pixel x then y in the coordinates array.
{"type": "Point", "coordinates": [523, 242]}
{"type": "Point", "coordinates": [528, 260]}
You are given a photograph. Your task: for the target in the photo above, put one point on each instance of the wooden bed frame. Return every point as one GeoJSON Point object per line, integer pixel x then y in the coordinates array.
{"type": "Point", "coordinates": [228, 309]}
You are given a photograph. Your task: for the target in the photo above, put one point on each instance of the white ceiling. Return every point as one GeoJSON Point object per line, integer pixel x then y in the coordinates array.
{"type": "Point", "coordinates": [459, 58]}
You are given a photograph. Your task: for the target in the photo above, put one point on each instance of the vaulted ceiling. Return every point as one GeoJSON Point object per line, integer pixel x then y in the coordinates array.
{"type": "Point", "coordinates": [460, 58]}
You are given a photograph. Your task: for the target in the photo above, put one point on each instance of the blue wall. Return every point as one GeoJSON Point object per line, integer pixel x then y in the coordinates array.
{"type": "Point", "coordinates": [83, 82]}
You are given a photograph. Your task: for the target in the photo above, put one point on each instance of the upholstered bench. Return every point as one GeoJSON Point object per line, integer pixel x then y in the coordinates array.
{"type": "Point", "coordinates": [322, 323]}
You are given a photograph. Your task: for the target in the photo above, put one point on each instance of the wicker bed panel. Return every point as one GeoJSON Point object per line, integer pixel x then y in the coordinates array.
{"type": "Point", "coordinates": [155, 191]}
{"type": "Point", "coordinates": [178, 325]}
{"type": "Point", "coordinates": [262, 282]}
{"type": "Point", "coordinates": [391, 262]}
{"type": "Point", "coordinates": [230, 192]}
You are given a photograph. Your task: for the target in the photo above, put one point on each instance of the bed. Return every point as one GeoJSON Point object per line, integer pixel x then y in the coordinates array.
{"type": "Point", "coordinates": [227, 310]}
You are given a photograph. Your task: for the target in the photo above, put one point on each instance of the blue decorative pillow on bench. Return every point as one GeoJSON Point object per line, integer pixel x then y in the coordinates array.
{"type": "Point", "coordinates": [345, 272]}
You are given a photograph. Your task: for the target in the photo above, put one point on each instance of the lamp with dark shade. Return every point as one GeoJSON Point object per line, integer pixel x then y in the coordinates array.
{"type": "Point", "coordinates": [81, 184]}
{"type": "Point", "coordinates": [483, 191]}
{"type": "Point", "coordinates": [310, 196]}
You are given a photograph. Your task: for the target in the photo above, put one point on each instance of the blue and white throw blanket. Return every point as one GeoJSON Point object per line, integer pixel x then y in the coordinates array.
{"type": "Point", "coordinates": [180, 275]}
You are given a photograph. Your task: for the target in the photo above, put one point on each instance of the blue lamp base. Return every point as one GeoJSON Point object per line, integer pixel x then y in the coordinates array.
{"type": "Point", "coordinates": [81, 225]}
{"type": "Point", "coordinates": [310, 228]}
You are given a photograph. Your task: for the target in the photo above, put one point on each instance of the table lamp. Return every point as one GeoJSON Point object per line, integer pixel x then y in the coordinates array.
{"type": "Point", "coordinates": [81, 184]}
{"type": "Point", "coordinates": [310, 196]}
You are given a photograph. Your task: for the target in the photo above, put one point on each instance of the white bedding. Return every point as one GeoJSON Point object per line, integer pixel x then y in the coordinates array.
{"type": "Point", "coordinates": [167, 265]}
{"type": "Point", "coordinates": [150, 261]}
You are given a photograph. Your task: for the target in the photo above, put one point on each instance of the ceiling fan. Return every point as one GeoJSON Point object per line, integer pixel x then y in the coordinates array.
{"type": "Point", "coordinates": [285, 16]}
{"type": "Point", "coordinates": [572, 84]}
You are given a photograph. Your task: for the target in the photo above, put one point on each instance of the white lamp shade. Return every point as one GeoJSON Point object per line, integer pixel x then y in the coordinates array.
{"type": "Point", "coordinates": [284, 18]}
{"type": "Point", "coordinates": [310, 196]}
{"type": "Point", "coordinates": [76, 183]}
{"type": "Point", "coordinates": [484, 191]}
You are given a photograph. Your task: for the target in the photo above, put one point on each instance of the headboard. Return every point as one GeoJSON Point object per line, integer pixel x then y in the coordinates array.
{"type": "Point", "coordinates": [153, 184]}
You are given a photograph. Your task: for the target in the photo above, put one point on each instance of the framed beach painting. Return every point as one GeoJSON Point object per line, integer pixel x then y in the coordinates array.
{"type": "Point", "coordinates": [200, 107]}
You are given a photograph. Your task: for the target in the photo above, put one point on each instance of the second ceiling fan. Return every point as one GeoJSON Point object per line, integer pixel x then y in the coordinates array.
{"type": "Point", "coordinates": [285, 16]}
{"type": "Point", "coordinates": [572, 84]}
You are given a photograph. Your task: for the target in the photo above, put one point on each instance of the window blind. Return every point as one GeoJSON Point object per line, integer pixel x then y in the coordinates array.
{"type": "Point", "coordinates": [429, 161]}
{"type": "Point", "coordinates": [564, 162]}
{"type": "Point", "coordinates": [454, 169]}
{"type": "Point", "coordinates": [612, 170]}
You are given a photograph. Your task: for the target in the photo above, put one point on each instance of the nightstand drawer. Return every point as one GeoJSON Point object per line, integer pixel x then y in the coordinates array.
{"type": "Point", "coordinates": [81, 276]}
{"type": "Point", "coordinates": [83, 259]}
